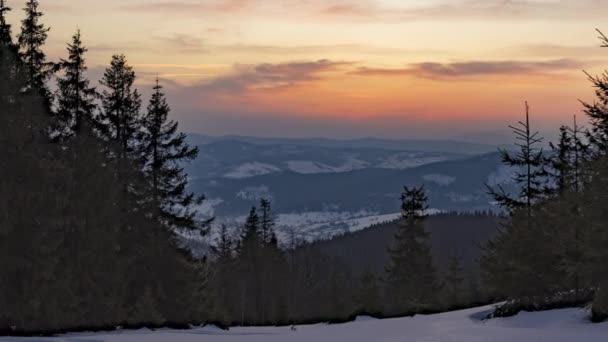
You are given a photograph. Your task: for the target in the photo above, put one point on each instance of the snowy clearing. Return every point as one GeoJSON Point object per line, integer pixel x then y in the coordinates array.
{"type": "Point", "coordinates": [251, 170]}
{"type": "Point", "coordinates": [460, 326]}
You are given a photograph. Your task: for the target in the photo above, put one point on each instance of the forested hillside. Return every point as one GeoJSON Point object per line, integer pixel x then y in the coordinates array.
{"type": "Point", "coordinates": [94, 196]}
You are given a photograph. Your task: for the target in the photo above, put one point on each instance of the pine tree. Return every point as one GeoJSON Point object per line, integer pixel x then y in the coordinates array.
{"type": "Point", "coordinates": [6, 37]}
{"type": "Point", "coordinates": [568, 160]}
{"type": "Point", "coordinates": [8, 67]}
{"type": "Point", "coordinates": [267, 233]}
{"type": "Point", "coordinates": [119, 125]}
{"type": "Point", "coordinates": [531, 159]}
{"type": "Point", "coordinates": [164, 151]}
{"type": "Point", "coordinates": [250, 237]}
{"type": "Point", "coordinates": [248, 263]}
{"type": "Point", "coordinates": [31, 40]}
{"type": "Point", "coordinates": [520, 263]}
{"type": "Point", "coordinates": [120, 120]}
{"type": "Point", "coordinates": [411, 274]}
{"type": "Point", "coordinates": [75, 99]}
{"type": "Point", "coordinates": [597, 112]}
{"type": "Point", "coordinates": [224, 244]}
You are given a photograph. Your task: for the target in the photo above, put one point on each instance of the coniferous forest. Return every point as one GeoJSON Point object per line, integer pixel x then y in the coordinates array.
{"type": "Point", "coordinates": [93, 194]}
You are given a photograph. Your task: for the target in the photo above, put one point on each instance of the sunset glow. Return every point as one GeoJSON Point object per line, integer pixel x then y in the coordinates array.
{"type": "Point", "coordinates": [346, 68]}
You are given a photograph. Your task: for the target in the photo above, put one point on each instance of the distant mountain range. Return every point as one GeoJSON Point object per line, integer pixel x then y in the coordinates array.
{"type": "Point", "coordinates": [354, 178]}
{"type": "Point", "coordinates": [461, 146]}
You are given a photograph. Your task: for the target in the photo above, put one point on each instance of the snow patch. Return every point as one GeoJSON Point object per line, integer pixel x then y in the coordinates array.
{"type": "Point", "coordinates": [504, 175]}
{"type": "Point", "coordinates": [312, 167]}
{"type": "Point", "coordinates": [253, 169]}
{"type": "Point", "coordinates": [254, 193]}
{"type": "Point", "coordinates": [207, 208]}
{"type": "Point", "coordinates": [408, 160]}
{"type": "Point", "coordinates": [439, 179]}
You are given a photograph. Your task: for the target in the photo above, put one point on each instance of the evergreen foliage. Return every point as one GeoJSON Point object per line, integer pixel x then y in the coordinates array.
{"type": "Point", "coordinates": [30, 40]}
{"type": "Point", "coordinates": [530, 163]}
{"type": "Point", "coordinates": [6, 37]}
{"type": "Point", "coordinates": [75, 98]}
{"type": "Point", "coordinates": [411, 273]}
{"type": "Point", "coordinates": [164, 150]}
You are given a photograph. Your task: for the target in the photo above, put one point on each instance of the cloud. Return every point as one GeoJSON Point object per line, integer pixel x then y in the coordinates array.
{"type": "Point", "coordinates": [191, 7]}
{"type": "Point", "coordinates": [359, 10]}
{"type": "Point", "coordinates": [183, 43]}
{"type": "Point", "coordinates": [466, 9]}
{"type": "Point", "coordinates": [474, 68]}
{"type": "Point", "coordinates": [270, 76]}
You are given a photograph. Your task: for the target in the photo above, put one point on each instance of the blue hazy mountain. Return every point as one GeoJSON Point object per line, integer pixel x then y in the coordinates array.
{"type": "Point", "coordinates": [302, 175]}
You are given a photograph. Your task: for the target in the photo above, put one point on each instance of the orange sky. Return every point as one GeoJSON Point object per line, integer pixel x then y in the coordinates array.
{"type": "Point", "coordinates": [346, 68]}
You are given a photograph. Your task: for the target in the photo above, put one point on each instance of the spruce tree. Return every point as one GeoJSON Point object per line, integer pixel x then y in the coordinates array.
{"type": "Point", "coordinates": [8, 67]}
{"type": "Point", "coordinates": [6, 37]}
{"type": "Point", "coordinates": [119, 125]}
{"type": "Point", "coordinates": [411, 274]}
{"type": "Point", "coordinates": [248, 264]}
{"type": "Point", "coordinates": [31, 40]}
{"type": "Point", "coordinates": [597, 111]}
{"type": "Point", "coordinates": [75, 98]}
{"type": "Point", "coordinates": [164, 151]}
{"type": "Point", "coordinates": [568, 159]}
{"type": "Point", "coordinates": [267, 233]}
{"type": "Point", "coordinates": [531, 164]}
{"type": "Point", "coordinates": [120, 119]}
{"type": "Point", "coordinates": [520, 262]}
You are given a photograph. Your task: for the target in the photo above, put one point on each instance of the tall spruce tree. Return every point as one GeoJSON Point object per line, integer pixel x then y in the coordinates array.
{"type": "Point", "coordinates": [248, 264]}
{"type": "Point", "coordinates": [7, 63]}
{"type": "Point", "coordinates": [267, 233]}
{"type": "Point", "coordinates": [30, 41]}
{"type": "Point", "coordinates": [520, 262]}
{"type": "Point", "coordinates": [597, 111]}
{"type": "Point", "coordinates": [531, 164]}
{"type": "Point", "coordinates": [570, 155]}
{"type": "Point", "coordinates": [119, 124]}
{"type": "Point", "coordinates": [164, 150]}
{"type": "Point", "coordinates": [120, 119]}
{"type": "Point", "coordinates": [75, 98]}
{"type": "Point", "coordinates": [594, 195]}
{"type": "Point", "coordinates": [411, 273]}
{"type": "Point", "coordinates": [6, 37]}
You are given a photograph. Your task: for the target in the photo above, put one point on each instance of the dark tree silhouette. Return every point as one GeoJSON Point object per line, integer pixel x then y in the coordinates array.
{"type": "Point", "coordinates": [164, 150]}
{"type": "Point", "coordinates": [267, 234]}
{"type": "Point", "coordinates": [531, 164]}
{"type": "Point", "coordinates": [31, 40]}
{"type": "Point", "coordinates": [6, 37]}
{"type": "Point", "coordinates": [75, 98]}
{"type": "Point", "coordinates": [411, 273]}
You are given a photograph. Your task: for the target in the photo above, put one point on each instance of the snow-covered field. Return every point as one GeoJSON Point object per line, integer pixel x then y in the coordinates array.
{"type": "Point", "coordinates": [569, 325]}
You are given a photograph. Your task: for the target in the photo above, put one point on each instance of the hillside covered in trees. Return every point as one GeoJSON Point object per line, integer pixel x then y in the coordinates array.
{"type": "Point", "coordinates": [94, 197]}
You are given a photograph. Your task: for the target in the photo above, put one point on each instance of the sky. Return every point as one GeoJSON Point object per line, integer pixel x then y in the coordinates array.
{"type": "Point", "coordinates": [347, 68]}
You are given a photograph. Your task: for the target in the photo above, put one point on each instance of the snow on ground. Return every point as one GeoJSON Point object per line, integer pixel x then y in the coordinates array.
{"type": "Point", "coordinates": [312, 167]}
{"type": "Point", "coordinates": [502, 176]}
{"type": "Point", "coordinates": [408, 160]}
{"type": "Point", "coordinates": [251, 170]}
{"type": "Point", "coordinates": [439, 179]}
{"type": "Point", "coordinates": [318, 225]}
{"type": "Point", "coordinates": [325, 225]}
{"type": "Point", "coordinates": [567, 325]}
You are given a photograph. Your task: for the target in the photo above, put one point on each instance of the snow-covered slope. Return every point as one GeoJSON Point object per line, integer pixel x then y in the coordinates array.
{"type": "Point", "coordinates": [568, 325]}
{"type": "Point", "coordinates": [251, 170]}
